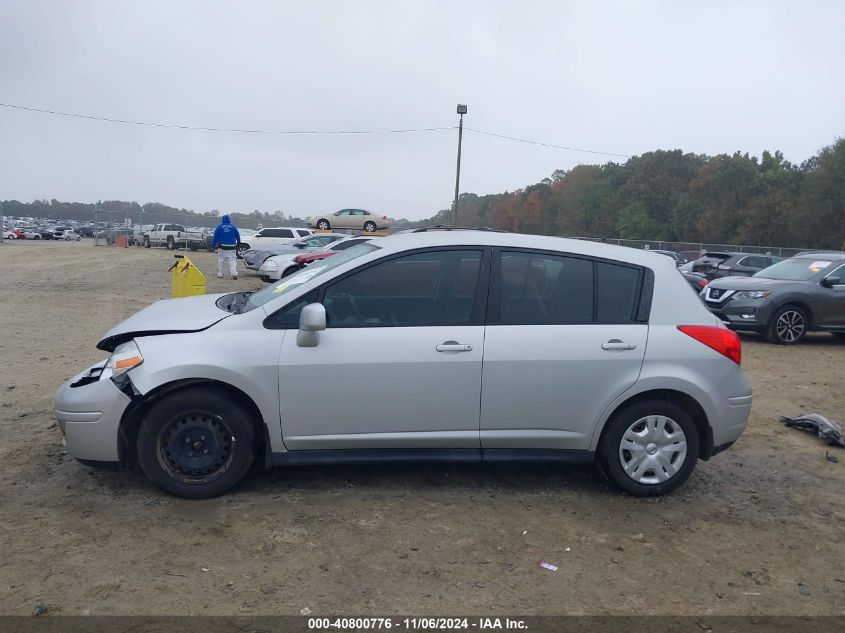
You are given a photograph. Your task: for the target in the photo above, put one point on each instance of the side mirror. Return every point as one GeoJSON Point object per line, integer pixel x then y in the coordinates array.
{"type": "Point", "coordinates": [300, 244]}
{"type": "Point", "coordinates": [312, 320]}
{"type": "Point", "coordinates": [829, 282]}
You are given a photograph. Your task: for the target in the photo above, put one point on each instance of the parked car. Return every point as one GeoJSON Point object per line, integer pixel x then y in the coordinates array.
{"type": "Point", "coordinates": [272, 237]}
{"type": "Point", "coordinates": [86, 230]}
{"type": "Point", "coordinates": [9, 234]}
{"type": "Point", "coordinates": [349, 219]}
{"type": "Point", "coordinates": [697, 282]}
{"type": "Point", "coordinates": [173, 236]}
{"type": "Point", "coordinates": [255, 257]}
{"type": "Point", "coordinates": [197, 389]}
{"type": "Point", "coordinates": [19, 234]}
{"type": "Point", "coordinates": [679, 259]}
{"type": "Point", "coordinates": [277, 266]}
{"type": "Point", "coordinates": [31, 233]}
{"type": "Point", "coordinates": [334, 249]}
{"type": "Point", "coordinates": [719, 264]}
{"type": "Point", "coordinates": [786, 300]}
{"type": "Point", "coordinates": [66, 233]}
{"type": "Point", "coordinates": [47, 234]}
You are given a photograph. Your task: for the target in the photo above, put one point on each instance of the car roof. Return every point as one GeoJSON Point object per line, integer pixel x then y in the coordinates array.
{"type": "Point", "coordinates": [480, 237]}
{"type": "Point", "coordinates": [831, 255]}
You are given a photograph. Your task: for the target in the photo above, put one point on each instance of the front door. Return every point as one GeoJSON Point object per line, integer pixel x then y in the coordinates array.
{"type": "Point", "coordinates": [399, 365]}
{"type": "Point", "coordinates": [831, 302]}
{"type": "Point", "coordinates": [564, 341]}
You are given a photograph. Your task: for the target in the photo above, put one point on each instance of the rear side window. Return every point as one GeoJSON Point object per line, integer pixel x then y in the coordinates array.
{"type": "Point", "coordinates": [539, 289]}
{"type": "Point", "coordinates": [303, 233]}
{"type": "Point", "coordinates": [546, 289]}
{"type": "Point", "coordinates": [618, 289]}
{"type": "Point", "coordinates": [342, 246]}
{"type": "Point", "coordinates": [755, 262]}
{"type": "Point", "coordinates": [285, 233]}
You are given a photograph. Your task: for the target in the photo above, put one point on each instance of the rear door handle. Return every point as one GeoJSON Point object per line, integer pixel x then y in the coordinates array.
{"type": "Point", "coordinates": [453, 347]}
{"type": "Point", "coordinates": [615, 345]}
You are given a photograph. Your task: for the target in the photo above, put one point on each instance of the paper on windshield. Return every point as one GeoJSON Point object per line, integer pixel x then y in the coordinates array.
{"type": "Point", "coordinates": [298, 278]}
{"type": "Point", "coordinates": [818, 265]}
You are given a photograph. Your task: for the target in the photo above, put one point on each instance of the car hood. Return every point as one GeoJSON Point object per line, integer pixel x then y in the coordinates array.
{"type": "Point", "coordinates": [748, 283]}
{"type": "Point", "coordinates": [170, 316]}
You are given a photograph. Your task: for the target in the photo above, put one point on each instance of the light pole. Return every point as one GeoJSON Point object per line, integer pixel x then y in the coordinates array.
{"type": "Point", "coordinates": [462, 110]}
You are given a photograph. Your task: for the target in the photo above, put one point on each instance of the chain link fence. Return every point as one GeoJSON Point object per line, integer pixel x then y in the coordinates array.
{"type": "Point", "coordinates": [777, 251]}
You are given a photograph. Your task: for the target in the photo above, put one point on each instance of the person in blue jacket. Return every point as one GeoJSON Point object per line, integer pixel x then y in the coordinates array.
{"type": "Point", "coordinates": [226, 239]}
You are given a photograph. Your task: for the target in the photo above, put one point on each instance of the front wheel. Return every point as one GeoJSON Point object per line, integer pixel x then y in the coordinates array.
{"type": "Point", "coordinates": [196, 443]}
{"type": "Point", "coordinates": [242, 248]}
{"type": "Point", "coordinates": [650, 448]}
{"type": "Point", "coordinates": [788, 325]}
{"type": "Point", "coordinates": [323, 225]}
{"type": "Point", "coordinates": [147, 242]}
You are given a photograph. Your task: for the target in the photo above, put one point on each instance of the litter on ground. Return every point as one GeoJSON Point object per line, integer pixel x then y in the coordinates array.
{"type": "Point", "coordinates": [826, 429]}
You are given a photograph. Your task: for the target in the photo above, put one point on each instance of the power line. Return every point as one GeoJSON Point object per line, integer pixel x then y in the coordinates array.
{"type": "Point", "coordinates": [218, 129]}
{"type": "Point", "coordinates": [523, 140]}
{"type": "Point", "coordinates": [196, 128]}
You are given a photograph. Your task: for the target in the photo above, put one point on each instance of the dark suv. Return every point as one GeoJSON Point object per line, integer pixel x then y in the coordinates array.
{"type": "Point", "coordinates": [717, 264]}
{"type": "Point", "coordinates": [786, 300]}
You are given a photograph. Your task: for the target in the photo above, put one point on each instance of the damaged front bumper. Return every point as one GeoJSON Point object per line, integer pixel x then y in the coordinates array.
{"type": "Point", "coordinates": [89, 409]}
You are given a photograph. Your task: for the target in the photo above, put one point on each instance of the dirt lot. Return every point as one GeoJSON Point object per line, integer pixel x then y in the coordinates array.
{"type": "Point", "coordinates": [741, 537]}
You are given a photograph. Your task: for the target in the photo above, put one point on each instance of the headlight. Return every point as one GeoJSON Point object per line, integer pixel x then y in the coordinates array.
{"type": "Point", "coordinates": [125, 357]}
{"type": "Point", "coordinates": [753, 294]}
{"type": "Point", "coordinates": [271, 265]}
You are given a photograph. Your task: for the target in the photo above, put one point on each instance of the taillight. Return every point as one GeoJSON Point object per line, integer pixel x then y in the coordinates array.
{"type": "Point", "coordinates": [384, 217]}
{"type": "Point", "coordinates": [721, 339]}
{"type": "Point", "coordinates": [702, 283]}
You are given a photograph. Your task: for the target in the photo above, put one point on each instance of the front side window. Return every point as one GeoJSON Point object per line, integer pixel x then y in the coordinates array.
{"type": "Point", "coordinates": [318, 241]}
{"type": "Point", "coordinates": [345, 212]}
{"type": "Point", "coordinates": [423, 289]}
{"type": "Point", "coordinates": [285, 233]}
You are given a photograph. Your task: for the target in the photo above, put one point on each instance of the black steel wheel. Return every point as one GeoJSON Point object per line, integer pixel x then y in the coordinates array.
{"type": "Point", "coordinates": [196, 443]}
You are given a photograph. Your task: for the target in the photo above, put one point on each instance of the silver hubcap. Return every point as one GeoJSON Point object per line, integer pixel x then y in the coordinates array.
{"type": "Point", "coordinates": [790, 326]}
{"type": "Point", "coordinates": [653, 449]}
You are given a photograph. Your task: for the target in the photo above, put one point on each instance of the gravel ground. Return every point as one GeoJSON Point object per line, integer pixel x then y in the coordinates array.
{"type": "Point", "coordinates": [757, 530]}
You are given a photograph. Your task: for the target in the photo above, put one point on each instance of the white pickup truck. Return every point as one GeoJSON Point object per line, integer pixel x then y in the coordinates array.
{"type": "Point", "coordinates": [173, 236]}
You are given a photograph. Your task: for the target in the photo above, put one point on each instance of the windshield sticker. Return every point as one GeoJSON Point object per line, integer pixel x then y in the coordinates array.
{"type": "Point", "coordinates": [819, 265]}
{"type": "Point", "coordinates": [280, 288]}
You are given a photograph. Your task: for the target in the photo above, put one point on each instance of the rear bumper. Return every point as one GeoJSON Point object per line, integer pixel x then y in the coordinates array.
{"type": "Point", "coordinates": [729, 421]}
{"type": "Point", "coordinates": [89, 416]}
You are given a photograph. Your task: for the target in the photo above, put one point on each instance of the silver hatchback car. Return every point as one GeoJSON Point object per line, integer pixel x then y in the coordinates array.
{"type": "Point", "coordinates": [448, 344]}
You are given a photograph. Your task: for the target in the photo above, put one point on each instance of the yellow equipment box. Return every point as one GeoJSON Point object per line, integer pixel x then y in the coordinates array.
{"type": "Point", "coordinates": [188, 280]}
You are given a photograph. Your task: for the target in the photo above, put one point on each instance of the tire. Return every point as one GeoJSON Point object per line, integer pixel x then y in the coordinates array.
{"type": "Point", "coordinates": [137, 244]}
{"type": "Point", "coordinates": [788, 325]}
{"type": "Point", "coordinates": [370, 227]}
{"type": "Point", "coordinates": [171, 243]}
{"type": "Point", "coordinates": [147, 242]}
{"type": "Point", "coordinates": [289, 271]}
{"type": "Point", "coordinates": [324, 225]}
{"type": "Point", "coordinates": [196, 443]}
{"type": "Point", "coordinates": [839, 335]}
{"type": "Point", "coordinates": [654, 421]}
{"type": "Point", "coordinates": [240, 250]}
{"type": "Point", "coordinates": [265, 279]}
{"type": "Point", "coordinates": [37, 237]}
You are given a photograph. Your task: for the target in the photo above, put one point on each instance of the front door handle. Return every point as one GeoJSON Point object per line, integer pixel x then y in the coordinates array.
{"type": "Point", "coordinates": [615, 345]}
{"type": "Point", "coordinates": [453, 347]}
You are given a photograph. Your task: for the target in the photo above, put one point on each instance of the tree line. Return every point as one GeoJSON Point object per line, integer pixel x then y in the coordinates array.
{"type": "Point", "coordinates": [659, 195]}
{"type": "Point", "coordinates": [673, 196]}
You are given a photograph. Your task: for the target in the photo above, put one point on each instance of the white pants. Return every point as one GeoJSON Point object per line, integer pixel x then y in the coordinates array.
{"type": "Point", "coordinates": [222, 256]}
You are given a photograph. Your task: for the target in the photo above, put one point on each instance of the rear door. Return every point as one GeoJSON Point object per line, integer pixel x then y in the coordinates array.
{"type": "Point", "coordinates": [566, 335]}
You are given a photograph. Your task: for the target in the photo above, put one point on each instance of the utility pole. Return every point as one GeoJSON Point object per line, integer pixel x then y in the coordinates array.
{"type": "Point", "coordinates": [462, 110]}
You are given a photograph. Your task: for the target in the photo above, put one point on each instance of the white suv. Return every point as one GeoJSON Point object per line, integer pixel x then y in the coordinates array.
{"type": "Point", "coordinates": [271, 237]}
{"type": "Point", "coordinates": [439, 344]}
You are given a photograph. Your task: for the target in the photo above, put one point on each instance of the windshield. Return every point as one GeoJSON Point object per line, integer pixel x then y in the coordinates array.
{"type": "Point", "coordinates": [795, 269]}
{"type": "Point", "coordinates": [305, 274]}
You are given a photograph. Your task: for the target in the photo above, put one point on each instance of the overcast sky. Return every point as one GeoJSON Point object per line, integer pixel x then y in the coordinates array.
{"type": "Point", "coordinates": [622, 77]}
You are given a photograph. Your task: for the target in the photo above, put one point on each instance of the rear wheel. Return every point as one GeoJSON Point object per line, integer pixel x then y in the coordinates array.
{"type": "Point", "coordinates": [171, 243]}
{"type": "Point", "coordinates": [196, 443]}
{"type": "Point", "coordinates": [788, 325]}
{"type": "Point", "coordinates": [323, 225]}
{"type": "Point", "coordinates": [649, 448]}
{"type": "Point", "coordinates": [370, 227]}
{"type": "Point", "coordinates": [147, 242]}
